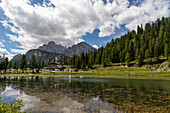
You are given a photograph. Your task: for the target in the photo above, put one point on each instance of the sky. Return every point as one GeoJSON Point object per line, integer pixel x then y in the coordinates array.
{"type": "Point", "coordinates": [28, 24]}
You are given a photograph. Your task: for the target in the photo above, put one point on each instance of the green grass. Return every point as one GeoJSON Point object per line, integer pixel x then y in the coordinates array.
{"type": "Point", "coordinates": [114, 70]}
{"type": "Point", "coordinates": [120, 69]}
{"type": "Point", "coordinates": [111, 71]}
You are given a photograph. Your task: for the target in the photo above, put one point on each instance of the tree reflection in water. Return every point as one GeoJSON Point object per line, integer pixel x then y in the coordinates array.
{"type": "Point", "coordinates": [78, 94]}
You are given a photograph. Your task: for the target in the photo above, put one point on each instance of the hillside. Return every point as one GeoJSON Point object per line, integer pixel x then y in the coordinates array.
{"type": "Point", "coordinates": [151, 41]}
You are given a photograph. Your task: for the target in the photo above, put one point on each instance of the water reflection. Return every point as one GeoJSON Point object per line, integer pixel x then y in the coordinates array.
{"type": "Point", "coordinates": [10, 95]}
{"type": "Point", "coordinates": [78, 94]}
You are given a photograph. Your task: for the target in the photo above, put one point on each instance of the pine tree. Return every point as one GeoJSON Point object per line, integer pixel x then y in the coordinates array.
{"type": "Point", "coordinates": [38, 65]}
{"type": "Point", "coordinates": [82, 57]}
{"type": "Point", "coordinates": [9, 66]}
{"type": "Point", "coordinates": [83, 65]}
{"type": "Point", "coordinates": [26, 66]}
{"type": "Point", "coordinates": [131, 50]}
{"type": "Point", "coordinates": [147, 55]}
{"type": "Point", "coordinates": [127, 59]}
{"type": "Point", "coordinates": [15, 65]}
{"type": "Point", "coordinates": [140, 61]}
{"type": "Point", "coordinates": [166, 51]}
{"type": "Point", "coordinates": [156, 52]}
{"type": "Point", "coordinates": [32, 64]}
{"type": "Point", "coordinates": [23, 62]}
{"type": "Point", "coordinates": [77, 63]}
{"type": "Point", "coordinates": [5, 64]}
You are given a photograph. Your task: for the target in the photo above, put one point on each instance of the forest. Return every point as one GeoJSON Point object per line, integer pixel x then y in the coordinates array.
{"type": "Point", "coordinates": [149, 42]}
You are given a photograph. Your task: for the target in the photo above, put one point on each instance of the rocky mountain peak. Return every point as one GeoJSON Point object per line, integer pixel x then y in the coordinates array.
{"type": "Point", "coordinates": [52, 50]}
{"type": "Point", "coordinates": [78, 49]}
{"type": "Point", "coordinates": [52, 47]}
{"type": "Point", "coordinates": [52, 43]}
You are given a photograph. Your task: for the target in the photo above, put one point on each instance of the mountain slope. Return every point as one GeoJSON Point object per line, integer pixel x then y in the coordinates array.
{"type": "Point", "coordinates": [78, 49]}
{"type": "Point", "coordinates": [39, 54]}
{"type": "Point", "coordinates": [16, 58]}
{"type": "Point", "coordinates": [52, 47]}
{"type": "Point", "coordinates": [52, 50]}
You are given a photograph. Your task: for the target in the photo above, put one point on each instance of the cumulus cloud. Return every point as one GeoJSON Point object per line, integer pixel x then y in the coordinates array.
{"type": "Point", "coordinates": [7, 54]}
{"type": "Point", "coordinates": [68, 20]}
{"type": "Point", "coordinates": [95, 46]}
{"type": "Point", "coordinates": [18, 51]}
{"type": "Point", "coordinates": [147, 11]}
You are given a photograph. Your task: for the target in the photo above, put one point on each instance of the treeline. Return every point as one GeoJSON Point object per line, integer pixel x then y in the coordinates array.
{"type": "Point", "coordinates": [24, 64]}
{"type": "Point", "coordinates": [151, 42]}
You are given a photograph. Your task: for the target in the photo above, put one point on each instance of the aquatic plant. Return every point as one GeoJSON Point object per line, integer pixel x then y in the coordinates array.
{"type": "Point", "coordinates": [11, 107]}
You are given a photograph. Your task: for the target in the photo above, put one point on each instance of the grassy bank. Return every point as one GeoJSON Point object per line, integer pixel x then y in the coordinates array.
{"type": "Point", "coordinates": [108, 72]}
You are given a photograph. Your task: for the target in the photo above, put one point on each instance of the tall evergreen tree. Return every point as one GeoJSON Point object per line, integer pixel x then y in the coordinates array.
{"type": "Point", "coordinates": [156, 52]}
{"type": "Point", "coordinates": [23, 62]}
{"type": "Point", "coordinates": [9, 66]}
{"type": "Point", "coordinates": [32, 63]}
{"type": "Point", "coordinates": [127, 59]}
{"type": "Point", "coordinates": [147, 55]}
{"type": "Point", "coordinates": [140, 61]}
{"type": "Point", "coordinates": [5, 64]}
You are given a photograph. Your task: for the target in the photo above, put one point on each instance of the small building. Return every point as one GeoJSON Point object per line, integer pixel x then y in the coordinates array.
{"type": "Point", "coordinates": [56, 65]}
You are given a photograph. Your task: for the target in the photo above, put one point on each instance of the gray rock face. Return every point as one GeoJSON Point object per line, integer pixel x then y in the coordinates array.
{"type": "Point", "coordinates": [52, 47]}
{"type": "Point", "coordinates": [16, 58]}
{"type": "Point", "coordinates": [39, 54]}
{"type": "Point", "coordinates": [43, 55]}
{"type": "Point", "coordinates": [52, 50]}
{"type": "Point", "coordinates": [75, 49]}
{"type": "Point", "coordinates": [78, 49]}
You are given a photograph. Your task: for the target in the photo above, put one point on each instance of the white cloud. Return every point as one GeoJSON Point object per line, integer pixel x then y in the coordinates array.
{"type": "Point", "coordinates": [7, 54]}
{"type": "Point", "coordinates": [4, 51]}
{"type": "Point", "coordinates": [148, 11]}
{"type": "Point", "coordinates": [95, 46]}
{"type": "Point", "coordinates": [69, 19]}
{"type": "Point", "coordinates": [18, 51]}
{"type": "Point", "coordinates": [2, 40]}
{"type": "Point", "coordinates": [1, 44]}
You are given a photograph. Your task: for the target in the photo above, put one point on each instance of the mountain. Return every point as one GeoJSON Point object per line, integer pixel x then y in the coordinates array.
{"type": "Point", "coordinates": [75, 49]}
{"type": "Point", "coordinates": [52, 50]}
{"type": "Point", "coordinates": [52, 47]}
{"type": "Point", "coordinates": [39, 54]}
{"type": "Point", "coordinates": [16, 58]}
{"type": "Point", "coordinates": [78, 49]}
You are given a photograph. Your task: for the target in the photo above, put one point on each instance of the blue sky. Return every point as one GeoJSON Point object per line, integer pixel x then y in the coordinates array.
{"type": "Point", "coordinates": [27, 24]}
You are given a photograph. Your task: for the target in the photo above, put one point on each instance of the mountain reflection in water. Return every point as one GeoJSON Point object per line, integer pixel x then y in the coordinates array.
{"type": "Point", "coordinates": [57, 101]}
{"type": "Point", "coordinates": [79, 95]}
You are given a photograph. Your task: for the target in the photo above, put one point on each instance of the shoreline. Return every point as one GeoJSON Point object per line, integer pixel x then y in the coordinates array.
{"type": "Point", "coordinates": [91, 76]}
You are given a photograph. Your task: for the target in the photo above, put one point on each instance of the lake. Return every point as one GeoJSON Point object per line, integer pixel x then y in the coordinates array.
{"type": "Point", "coordinates": [79, 95]}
